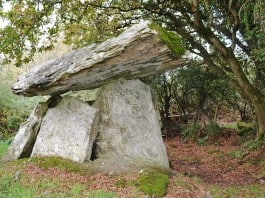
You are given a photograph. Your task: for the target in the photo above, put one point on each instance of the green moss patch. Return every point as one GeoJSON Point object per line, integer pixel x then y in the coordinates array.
{"type": "Point", "coordinates": [63, 164]}
{"type": "Point", "coordinates": [153, 183]}
{"type": "Point", "coordinates": [172, 40]}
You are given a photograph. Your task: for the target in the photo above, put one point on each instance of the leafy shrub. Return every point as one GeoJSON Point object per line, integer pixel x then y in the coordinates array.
{"type": "Point", "coordinates": [245, 128]}
{"type": "Point", "coordinates": [203, 140]}
{"type": "Point", "coordinates": [212, 129]}
{"type": "Point", "coordinates": [201, 134]}
{"type": "Point", "coordinates": [237, 154]}
{"type": "Point", "coordinates": [190, 131]}
{"type": "Point", "coordinates": [13, 109]}
{"type": "Point", "coordinates": [254, 145]}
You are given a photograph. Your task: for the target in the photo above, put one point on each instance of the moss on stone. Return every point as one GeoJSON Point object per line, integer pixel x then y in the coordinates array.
{"type": "Point", "coordinates": [172, 40]}
{"type": "Point", "coordinates": [153, 183]}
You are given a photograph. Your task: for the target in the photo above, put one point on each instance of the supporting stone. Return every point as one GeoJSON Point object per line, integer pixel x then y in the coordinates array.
{"type": "Point", "coordinates": [25, 138]}
{"type": "Point", "coordinates": [129, 128]}
{"type": "Point", "coordinates": [68, 130]}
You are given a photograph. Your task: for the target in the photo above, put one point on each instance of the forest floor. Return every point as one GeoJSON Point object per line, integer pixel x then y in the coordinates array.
{"type": "Point", "coordinates": [222, 169]}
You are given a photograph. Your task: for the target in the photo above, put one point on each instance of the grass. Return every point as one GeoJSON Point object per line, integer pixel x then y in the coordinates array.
{"type": "Point", "coordinates": [101, 194]}
{"type": "Point", "coordinates": [237, 154]}
{"type": "Point", "coordinates": [4, 144]}
{"type": "Point", "coordinates": [15, 184]}
{"type": "Point", "coordinates": [12, 188]}
{"type": "Point", "coordinates": [257, 190]}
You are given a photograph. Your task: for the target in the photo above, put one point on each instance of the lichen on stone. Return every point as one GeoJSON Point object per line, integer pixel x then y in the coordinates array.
{"type": "Point", "coordinates": [172, 40]}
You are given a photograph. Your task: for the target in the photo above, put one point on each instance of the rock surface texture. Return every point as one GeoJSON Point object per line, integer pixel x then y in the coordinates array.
{"type": "Point", "coordinates": [129, 129]}
{"type": "Point", "coordinates": [68, 130]}
{"type": "Point", "coordinates": [25, 138]}
{"type": "Point", "coordinates": [121, 132]}
{"type": "Point", "coordinates": [136, 53]}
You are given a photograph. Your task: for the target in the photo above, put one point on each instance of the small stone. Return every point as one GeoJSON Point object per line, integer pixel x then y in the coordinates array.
{"type": "Point", "coordinates": [17, 176]}
{"type": "Point", "coordinates": [24, 140]}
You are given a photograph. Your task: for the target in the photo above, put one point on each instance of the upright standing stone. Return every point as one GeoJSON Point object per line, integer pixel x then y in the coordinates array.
{"type": "Point", "coordinates": [67, 131]}
{"type": "Point", "coordinates": [129, 127]}
{"type": "Point", "coordinates": [25, 138]}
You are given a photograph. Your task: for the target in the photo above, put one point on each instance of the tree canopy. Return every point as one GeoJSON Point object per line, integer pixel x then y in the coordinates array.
{"type": "Point", "coordinates": [227, 34]}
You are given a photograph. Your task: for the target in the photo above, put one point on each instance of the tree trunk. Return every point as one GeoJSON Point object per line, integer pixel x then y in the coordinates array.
{"type": "Point", "coordinates": [259, 107]}
{"type": "Point", "coordinates": [257, 99]}
{"type": "Point", "coordinates": [242, 84]}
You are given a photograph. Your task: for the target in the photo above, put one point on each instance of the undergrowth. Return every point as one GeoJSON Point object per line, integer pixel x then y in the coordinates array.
{"type": "Point", "coordinates": [13, 109]}
{"type": "Point", "coordinates": [201, 134]}
{"type": "Point", "coordinates": [4, 144]}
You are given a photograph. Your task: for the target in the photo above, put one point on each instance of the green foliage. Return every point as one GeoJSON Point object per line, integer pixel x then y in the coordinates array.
{"type": "Point", "coordinates": [153, 183]}
{"type": "Point", "coordinates": [13, 109]}
{"type": "Point", "coordinates": [237, 154]}
{"type": "Point", "coordinates": [245, 128]}
{"type": "Point", "coordinates": [193, 131]}
{"type": "Point", "coordinates": [212, 129]}
{"type": "Point", "coordinates": [190, 131]}
{"type": "Point", "coordinates": [228, 36]}
{"type": "Point", "coordinates": [193, 92]}
{"type": "Point", "coordinates": [254, 145]}
{"type": "Point", "coordinates": [203, 140]}
{"type": "Point", "coordinates": [172, 40]}
{"type": "Point", "coordinates": [4, 144]}
{"type": "Point", "coordinates": [30, 22]}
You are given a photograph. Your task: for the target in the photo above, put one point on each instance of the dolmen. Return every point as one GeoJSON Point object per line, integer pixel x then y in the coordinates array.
{"type": "Point", "coordinates": [120, 132]}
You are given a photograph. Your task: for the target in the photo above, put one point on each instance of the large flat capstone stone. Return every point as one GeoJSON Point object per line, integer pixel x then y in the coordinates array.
{"type": "Point", "coordinates": [137, 52]}
{"type": "Point", "coordinates": [129, 128]}
{"type": "Point", "coordinates": [24, 140]}
{"type": "Point", "coordinates": [68, 130]}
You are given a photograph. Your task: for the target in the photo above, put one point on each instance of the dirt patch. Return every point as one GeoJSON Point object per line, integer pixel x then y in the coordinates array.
{"type": "Point", "coordinates": [223, 163]}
